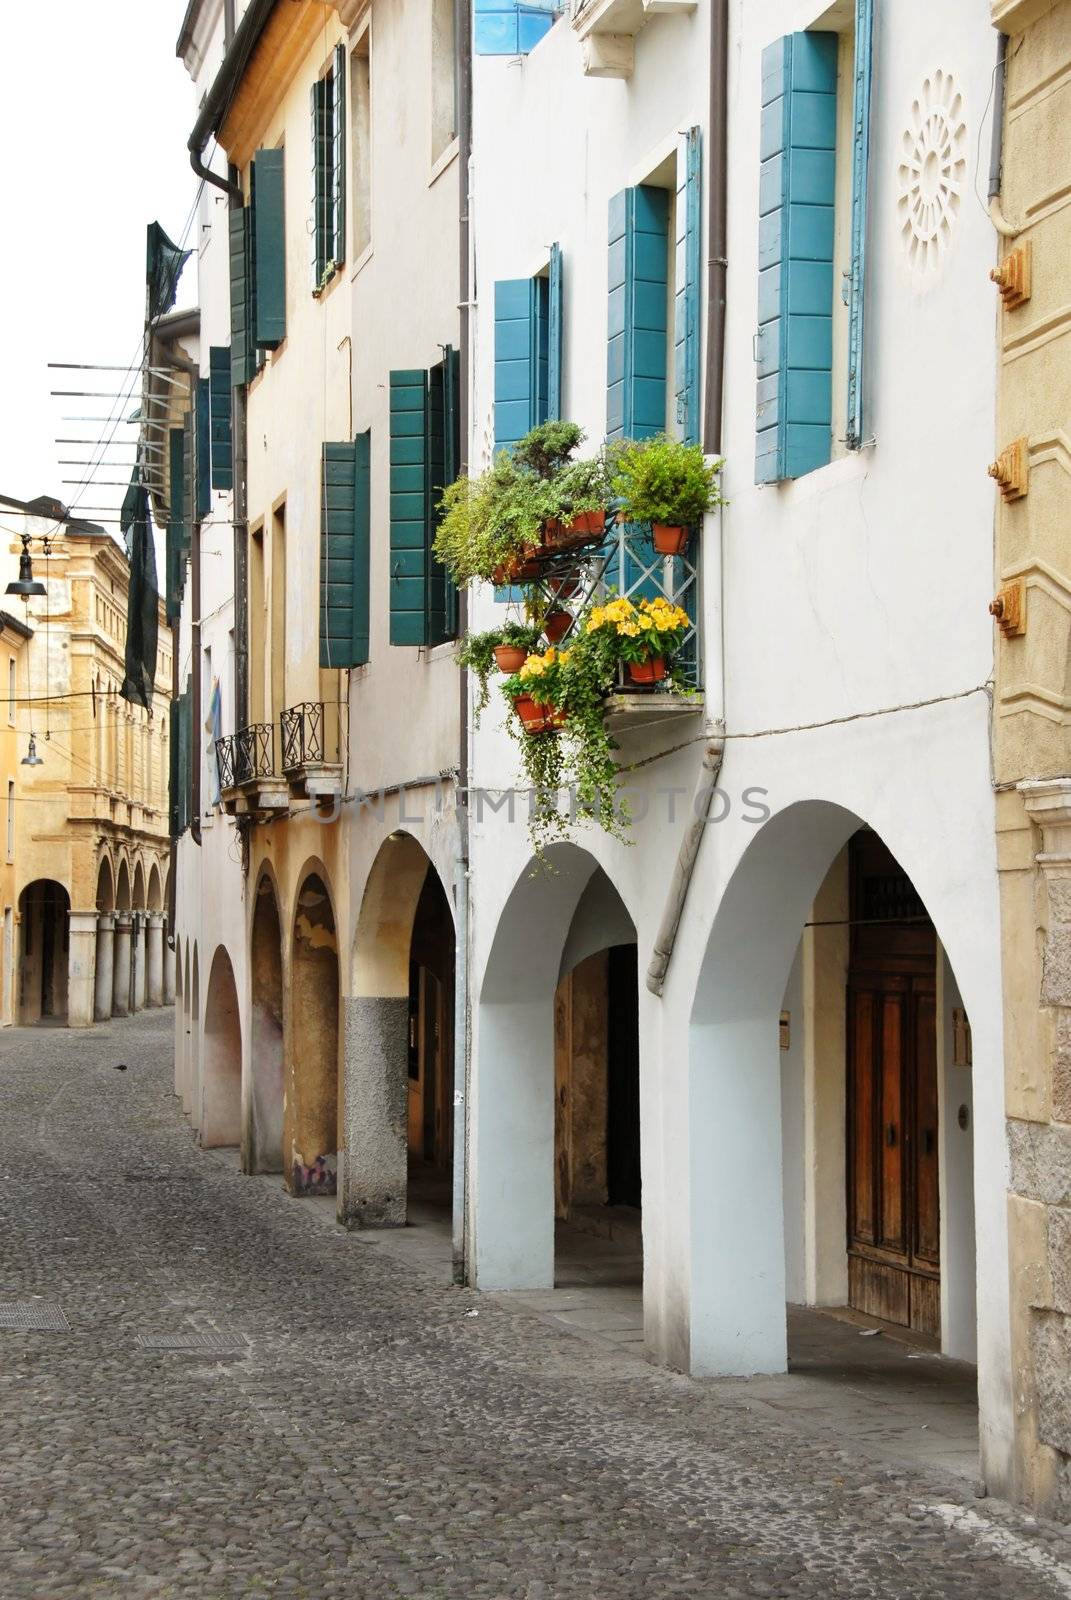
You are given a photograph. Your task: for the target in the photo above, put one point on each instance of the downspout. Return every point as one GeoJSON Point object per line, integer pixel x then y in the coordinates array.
{"type": "Point", "coordinates": [996, 154]}
{"type": "Point", "coordinates": [717, 272]}
{"type": "Point", "coordinates": [463, 66]}
{"type": "Point", "coordinates": [196, 731]}
{"type": "Point", "coordinates": [237, 53]}
{"type": "Point", "coordinates": [172, 886]}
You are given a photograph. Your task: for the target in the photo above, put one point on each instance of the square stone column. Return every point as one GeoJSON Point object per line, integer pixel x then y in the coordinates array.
{"type": "Point", "coordinates": [81, 968]}
{"type": "Point", "coordinates": [121, 984]}
{"type": "Point", "coordinates": [104, 978]}
{"type": "Point", "coordinates": [154, 959]}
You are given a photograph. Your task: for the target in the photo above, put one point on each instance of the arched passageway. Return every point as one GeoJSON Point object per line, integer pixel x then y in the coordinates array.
{"type": "Point", "coordinates": [194, 1058]}
{"type": "Point", "coordinates": [262, 1144]}
{"type": "Point", "coordinates": [180, 1023]}
{"type": "Point", "coordinates": [104, 969]}
{"type": "Point", "coordinates": [830, 1102]}
{"type": "Point", "coordinates": [399, 1041]}
{"type": "Point", "coordinates": [105, 886]}
{"type": "Point", "coordinates": [154, 901]}
{"type": "Point", "coordinates": [310, 1131]}
{"type": "Point", "coordinates": [221, 1057]}
{"type": "Point", "coordinates": [558, 1064]}
{"type": "Point", "coordinates": [44, 933]}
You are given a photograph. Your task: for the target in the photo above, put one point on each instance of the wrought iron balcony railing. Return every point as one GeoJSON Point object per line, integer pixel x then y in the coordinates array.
{"type": "Point", "coordinates": [225, 761]}
{"type": "Point", "coordinates": [254, 752]}
{"type": "Point", "coordinates": [302, 729]}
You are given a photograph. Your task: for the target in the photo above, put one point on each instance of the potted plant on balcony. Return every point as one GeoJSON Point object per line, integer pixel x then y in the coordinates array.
{"type": "Point", "coordinates": [504, 648]}
{"type": "Point", "coordinates": [645, 637]}
{"type": "Point", "coordinates": [490, 525]}
{"type": "Point", "coordinates": [579, 490]}
{"type": "Point", "coordinates": [666, 483]}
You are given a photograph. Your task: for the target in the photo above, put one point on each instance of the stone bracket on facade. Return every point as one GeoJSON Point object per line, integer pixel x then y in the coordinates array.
{"type": "Point", "coordinates": [1011, 470]}
{"type": "Point", "coordinates": [629, 713]}
{"type": "Point", "coordinates": [1014, 276]}
{"type": "Point", "coordinates": [607, 28]}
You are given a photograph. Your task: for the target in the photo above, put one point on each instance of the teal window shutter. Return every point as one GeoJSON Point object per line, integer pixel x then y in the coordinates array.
{"type": "Point", "coordinates": [219, 386]}
{"type": "Point", "coordinates": [794, 344]}
{"type": "Point", "coordinates": [244, 361]}
{"type": "Point", "coordinates": [555, 335]}
{"type": "Point", "coordinates": [451, 471]}
{"type": "Point", "coordinates": [408, 506]}
{"type": "Point", "coordinates": [345, 552]}
{"type": "Point", "coordinates": [636, 325]}
{"type": "Point", "coordinates": [521, 357]}
{"type": "Point", "coordinates": [338, 157]}
{"type": "Point", "coordinates": [177, 538]}
{"type": "Point", "coordinates": [203, 450]}
{"type": "Point", "coordinates": [173, 765]}
{"type": "Point", "coordinates": [687, 269]}
{"type": "Point", "coordinates": [269, 258]}
{"type": "Point", "coordinates": [864, 51]}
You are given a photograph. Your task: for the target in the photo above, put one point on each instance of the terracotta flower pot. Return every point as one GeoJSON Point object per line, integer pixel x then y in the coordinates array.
{"type": "Point", "coordinates": [653, 670]}
{"type": "Point", "coordinates": [563, 588]}
{"type": "Point", "coordinates": [588, 523]}
{"type": "Point", "coordinates": [531, 715]}
{"type": "Point", "coordinates": [556, 625]}
{"type": "Point", "coordinates": [553, 718]}
{"type": "Point", "coordinates": [510, 657]}
{"type": "Point", "coordinates": [669, 541]}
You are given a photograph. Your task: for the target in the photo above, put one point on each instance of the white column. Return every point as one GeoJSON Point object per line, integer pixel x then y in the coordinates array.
{"type": "Point", "coordinates": [105, 972]}
{"type": "Point", "coordinates": [81, 966]}
{"type": "Point", "coordinates": [154, 960]}
{"type": "Point", "coordinates": [121, 984]}
{"type": "Point", "coordinates": [140, 951]}
{"type": "Point", "coordinates": [169, 969]}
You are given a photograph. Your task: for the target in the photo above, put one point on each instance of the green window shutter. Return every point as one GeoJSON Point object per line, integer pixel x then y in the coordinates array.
{"type": "Point", "coordinates": [181, 756]}
{"type": "Point", "coordinates": [338, 157]}
{"type": "Point", "coordinates": [173, 767]}
{"type": "Point", "coordinates": [408, 506]}
{"type": "Point", "coordinates": [219, 387]}
{"type": "Point", "coordinates": [794, 346]}
{"type": "Point", "coordinates": [521, 357]}
{"type": "Point", "coordinates": [243, 364]}
{"type": "Point", "coordinates": [345, 548]}
{"type": "Point", "coordinates": [269, 257]}
{"type": "Point", "coordinates": [555, 335]}
{"type": "Point", "coordinates": [452, 469]}
{"type": "Point", "coordinates": [202, 450]}
{"type": "Point", "coordinates": [636, 324]}
{"type": "Point", "coordinates": [176, 540]}
{"type": "Point", "coordinates": [864, 50]}
{"type": "Point", "coordinates": [686, 285]}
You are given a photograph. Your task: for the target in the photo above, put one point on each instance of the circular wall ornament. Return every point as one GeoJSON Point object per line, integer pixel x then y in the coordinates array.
{"type": "Point", "coordinates": [932, 172]}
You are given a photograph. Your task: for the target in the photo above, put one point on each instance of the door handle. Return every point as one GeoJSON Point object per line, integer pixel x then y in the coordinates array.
{"type": "Point", "coordinates": [890, 1135]}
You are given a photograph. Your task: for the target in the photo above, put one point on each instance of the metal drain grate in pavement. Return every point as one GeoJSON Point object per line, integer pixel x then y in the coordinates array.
{"type": "Point", "coordinates": [210, 1343]}
{"type": "Point", "coordinates": [32, 1316]}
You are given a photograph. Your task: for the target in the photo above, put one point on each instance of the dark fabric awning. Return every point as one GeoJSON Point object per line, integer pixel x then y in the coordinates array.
{"type": "Point", "coordinates": [143, 595]}
{"type": "Point", "coordinates": [164, 262]}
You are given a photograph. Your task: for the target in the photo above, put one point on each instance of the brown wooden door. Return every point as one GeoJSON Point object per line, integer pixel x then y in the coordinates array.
{"type": "Point", "coordinates": [893, 1215]}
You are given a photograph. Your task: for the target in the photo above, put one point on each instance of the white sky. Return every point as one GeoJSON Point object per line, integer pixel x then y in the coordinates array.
{"type": "Point", "coordinates": [95, 111]}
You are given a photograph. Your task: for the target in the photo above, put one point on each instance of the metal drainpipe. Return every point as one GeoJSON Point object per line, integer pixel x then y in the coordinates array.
{"type": "Point", "coordinates": [717, 270]}
{"type": "Point", "coordinates": [996, 155]}
{"type": "Point", "coordinates": [463, 49]}
{"type": "Point", "coordinates": [172, 889]}
{"type": "Point", "coordinates": [196, 732]}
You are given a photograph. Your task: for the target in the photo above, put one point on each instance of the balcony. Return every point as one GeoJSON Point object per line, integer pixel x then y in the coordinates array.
{"type": "Point", "coordinates": [607, 28]}
{"type": "Point", "coordinates": [309, 775]}
{"type": "Point", "coordinates": [248, 784]}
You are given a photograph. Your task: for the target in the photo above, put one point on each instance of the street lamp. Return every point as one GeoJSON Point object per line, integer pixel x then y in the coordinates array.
{"type": "Point", "coordinates": [26, 584]}
{"type": "Point", "coordinates": [31, 758]}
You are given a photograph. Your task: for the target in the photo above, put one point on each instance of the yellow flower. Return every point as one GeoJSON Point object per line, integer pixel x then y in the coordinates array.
{"type": "Point", "coordinates": [630, 629]}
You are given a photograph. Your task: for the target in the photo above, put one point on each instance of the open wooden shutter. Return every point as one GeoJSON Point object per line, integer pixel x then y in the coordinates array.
{"type": "Point", "coordinates": [451, 471]}
{"type": "Point", "coordinates": [408, 506]}
{"type": "Point", "coordinates": [864, 50]}
{"type": "Point", "coordinates": [555, 335]}
{"type": "Point", "coordinates": [338, 158]}
{"type": "Point", "coordinates": [203, 449]}
{"type": "Point", "coordinates": [686, 285]}
{"type": "Point", "coordinates": [345, 546]}
{"type": "Point", "coordinates": [636, 326]}
{"type": "Point", "coordinates": [177, 538]}
{"type": "Point", "coordinates": [794, 345]}
{"type": "Point", "coordinates": [219, 388]}
{"type": "Point", "coordinates": [521, 358]}
{"type": "Point", "coordinates": [243, 350]}
{"type": "Point", "coordinates": [269, 220]}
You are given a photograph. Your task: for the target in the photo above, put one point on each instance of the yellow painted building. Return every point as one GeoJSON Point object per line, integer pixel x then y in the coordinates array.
{"type": "Point", "coordinates": [1032, 747]}
{"type": "Point", "coordinates": [86, 777]}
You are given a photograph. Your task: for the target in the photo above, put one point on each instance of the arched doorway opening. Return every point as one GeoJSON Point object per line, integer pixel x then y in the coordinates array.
{"type": "Point", "coordinates": [310, 1125]}
{"type": "Point", "coordinates": [122, 959]}
{"type": "Point", "coordinates": [400, 1042]}
{"type": "Point", "coordinates": [262, 1148]}
{"type": "Point", "coordinates": [180, 1023]}
{"type": "Point", "coordinates": [139, 940]}
{"type": "Point", "coordinates": [105, 885]}
{"type": "Point", "coordinates": [558, 1130]}
{"type": "Point", "coordinates": [221, 1079]}
{"type": "Point", "coordinates": [154, 901]}
{"type": "Point", "coordinates": [104, 971]}
{"type": "Point", "coordinates": [830, 1102]}
{"type": "Point", "coordinates": [44, 933]}
{"type": "Point", "coordinates": [194, 1066]}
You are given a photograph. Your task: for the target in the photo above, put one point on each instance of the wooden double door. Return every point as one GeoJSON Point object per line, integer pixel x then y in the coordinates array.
{"type": "Point", "coordinates": [894, 1265]}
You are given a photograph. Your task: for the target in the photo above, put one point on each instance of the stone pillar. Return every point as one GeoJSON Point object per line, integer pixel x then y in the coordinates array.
{"type": "Point", "coordinates": [154, 960]}
{"type": "Point", "coordinates": [81, 966]}
{"type": "Point", "coordinates": [140, 953]}
{"type": "Point", "coordinates": [121, 984]}
{"type": "Point", "coordinates": [169, 970]}
{"type": "Point", "coordinates": [105, 973]}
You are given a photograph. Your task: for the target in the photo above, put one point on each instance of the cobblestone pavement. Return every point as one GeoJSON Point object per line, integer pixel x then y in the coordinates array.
{"type": "Point", "coordinates": [374, 1438]}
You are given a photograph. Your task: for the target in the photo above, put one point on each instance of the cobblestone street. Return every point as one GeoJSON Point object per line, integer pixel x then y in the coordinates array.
{"type": "Point", "coordinates": [369, 1435]}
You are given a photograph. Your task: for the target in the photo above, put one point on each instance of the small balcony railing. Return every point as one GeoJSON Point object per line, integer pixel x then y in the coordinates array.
{"type": "Point", "coordinates": [302, 729]}
{"type": "Point", "coordinates": [225, 761]}
{"type": "Point", "coordinates": [254, 752]}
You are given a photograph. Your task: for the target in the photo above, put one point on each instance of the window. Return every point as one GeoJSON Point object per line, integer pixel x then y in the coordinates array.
{"type": "Point", "coordinates": [329, 171]}
{"type": "Point", "coordinates": [11, 819]}
{"type": "Point", "coordinates": [425, 455]}
{"type": "Point", "coordinates": [277, 613]}
{"type": "Point", "coordinates": [345, 552]}
{"type": "Point", "coordinates": [11, 696]}
{"type": "Point", "coordinates": [361, 142]}
{"type": "Point", "coordinates": [512, 27]}
{"type": "Point", "coordinates": [813, 205]}
{"type": "Point", "coordinates": [443, 78]}
{"type": "Point", "coordinates": [258, 607]}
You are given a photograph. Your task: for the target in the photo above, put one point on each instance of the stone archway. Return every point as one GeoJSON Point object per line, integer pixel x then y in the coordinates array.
{"type": "Point", "coordinates": [399, 1035]}
{"type": "Point", "coordinates": [180, 1022]}
{"type": "Point", "coordinates": [221, 1057]}
{"type": "Point", "coordinates": [104, 968]}
{"type": "Point", "coordinates": [44, 933]}
{"type": "Point", "coordinates": [194, 1059]}
{"type": "Point", "coordinates": [262, 1143]}
{"type": "Point", "coordinates": [310, 1124]}
{"type": "Point", "coordinates": [122, 959]}
{"type": "Point", "coordinates": [139, 941]}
